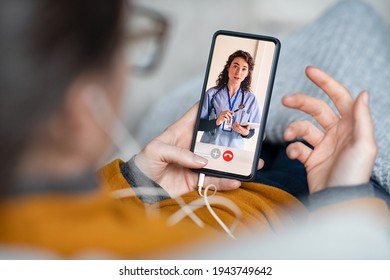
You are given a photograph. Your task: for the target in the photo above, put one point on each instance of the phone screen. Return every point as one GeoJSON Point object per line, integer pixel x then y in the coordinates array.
{"type": "Point", "coordinates": [234, 103]}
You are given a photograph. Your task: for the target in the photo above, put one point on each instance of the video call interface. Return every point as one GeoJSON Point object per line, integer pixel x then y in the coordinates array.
{"type": "Point", "coordinates": [233, 102]}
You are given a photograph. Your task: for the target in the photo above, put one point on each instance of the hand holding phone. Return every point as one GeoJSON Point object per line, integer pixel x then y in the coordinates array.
{"type": "Point", "coordinates": [234, 103]}
{"type": "Point", "coordinates": [168, 161]}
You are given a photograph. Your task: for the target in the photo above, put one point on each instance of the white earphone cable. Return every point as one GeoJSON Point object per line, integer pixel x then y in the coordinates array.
{"type": "Point", "coordinates": [206, 199]}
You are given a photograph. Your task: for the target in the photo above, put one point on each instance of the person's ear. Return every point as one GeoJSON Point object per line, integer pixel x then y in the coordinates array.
{"type": "Point", "coordinates": [75, 112]}
{"type": "Point", "coordinates": [74, 124]}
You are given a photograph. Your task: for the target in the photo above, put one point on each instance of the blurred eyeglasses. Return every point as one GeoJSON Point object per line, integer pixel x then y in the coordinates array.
{"type": "Point", "coordinates": [146, 32]}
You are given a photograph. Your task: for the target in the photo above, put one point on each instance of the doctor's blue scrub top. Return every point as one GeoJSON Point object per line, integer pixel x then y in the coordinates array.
{"type": "Point", "coordinates": [216, 101]}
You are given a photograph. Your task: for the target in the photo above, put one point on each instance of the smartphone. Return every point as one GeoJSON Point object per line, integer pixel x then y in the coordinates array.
{"type": "Point", "coordinates": [234, 103]}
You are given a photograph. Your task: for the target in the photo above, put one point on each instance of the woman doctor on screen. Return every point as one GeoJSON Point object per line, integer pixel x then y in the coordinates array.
{"type": "Point", "coordinates": [230, 104]}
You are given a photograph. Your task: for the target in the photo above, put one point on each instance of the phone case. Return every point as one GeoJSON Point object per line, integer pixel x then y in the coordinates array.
{"type": "Point", "coordinates": [226, 153]}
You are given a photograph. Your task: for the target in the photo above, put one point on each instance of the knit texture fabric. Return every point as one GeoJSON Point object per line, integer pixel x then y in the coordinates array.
{"type": "Point", "coordinates": [352, 43]}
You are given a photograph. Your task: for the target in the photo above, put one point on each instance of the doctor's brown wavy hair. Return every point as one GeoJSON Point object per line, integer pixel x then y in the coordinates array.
{"type": "Point", "coordinates": [223, 77]}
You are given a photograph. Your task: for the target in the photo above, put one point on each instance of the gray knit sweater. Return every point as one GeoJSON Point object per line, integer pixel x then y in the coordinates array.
{"type": "Point", "coordinates": [352, 43]}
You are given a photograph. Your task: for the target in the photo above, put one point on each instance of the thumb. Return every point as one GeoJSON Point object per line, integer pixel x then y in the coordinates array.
{"type": "Point", "coordinates": [181, 156]}
{"type": "Point", "coordinates": [364, 127]}
{"type": "Point", "coordinates": [364, 124]}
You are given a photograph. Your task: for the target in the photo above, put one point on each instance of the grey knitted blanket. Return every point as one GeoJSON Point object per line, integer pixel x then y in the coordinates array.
{"type": "Point", "coordinates": [352, 43]}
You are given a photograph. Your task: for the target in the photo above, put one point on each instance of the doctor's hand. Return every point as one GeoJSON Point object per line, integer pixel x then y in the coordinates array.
{"type": "Point", "coordinates": [224, 116]}
{"type": "Point", "coordinates": [167, 159]}
{"type": "Point", "coordinates": [345, 150]}
{"type": "Point", "coordinates": [243, 130]}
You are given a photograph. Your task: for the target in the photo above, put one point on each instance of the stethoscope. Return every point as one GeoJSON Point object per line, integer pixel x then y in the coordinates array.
{"type": "Point", "coordinates": [212, 107]}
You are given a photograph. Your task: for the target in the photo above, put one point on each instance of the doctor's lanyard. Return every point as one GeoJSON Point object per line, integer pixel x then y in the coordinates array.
{"type": "Point", "coordinates": [227, 125]}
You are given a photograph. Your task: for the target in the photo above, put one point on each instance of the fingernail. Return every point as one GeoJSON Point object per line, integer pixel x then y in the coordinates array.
{"type": "Point", "coordinates": [365, 97]}
{"type": "Point", "coordinates": [200, 160]}
{"type": "Point", "coordinates": [287, 98]}
{"type": "Point", "coordinates": [287, 132]}
{"type": "Point", "coordinates": [291, 153]}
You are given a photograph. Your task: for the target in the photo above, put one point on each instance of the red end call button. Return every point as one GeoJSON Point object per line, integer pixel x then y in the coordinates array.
{"type": "Point", "coordinates": [228, 155]}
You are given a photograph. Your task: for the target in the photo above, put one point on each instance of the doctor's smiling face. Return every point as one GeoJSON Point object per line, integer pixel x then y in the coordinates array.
{"type": "Point", "coordinates": [238, 70]}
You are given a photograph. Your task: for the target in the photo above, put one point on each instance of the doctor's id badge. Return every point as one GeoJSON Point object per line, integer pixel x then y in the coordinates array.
{"type": "Point", "coordinates": [227, 125]}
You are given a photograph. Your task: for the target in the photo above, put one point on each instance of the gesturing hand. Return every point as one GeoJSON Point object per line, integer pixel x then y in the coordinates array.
{"type": "Point", "coordinates": [224, 116]}
{"type": "Point", "coordinates": [345, 151]}
{"type": "Point", "coordinates": [167, 159]}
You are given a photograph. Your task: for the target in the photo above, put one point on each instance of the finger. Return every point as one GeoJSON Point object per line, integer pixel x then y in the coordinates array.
{"type": "Point", "coordinates": [260, 165]}
{"type": "Point", "coordinates": [237, 125]}
{"type": "Point", "coordinates": [242, 130]}
{"type": "Point", "coordinates": [222, 184]}
{"type": "Point", "coordinates": [305, 130]}
{"type": "Point", "coordinates": [299, 151]}
{"type": "Point", "coordinates": [236, 129]}
{"type": "Point", "coordinates": [225, 116]}
{"type": "Point", "coordinates": [178, 155]}
{"type": "Point", "coordinates": [364, 127]}
{"type": "Point", "coordinates": [339, 95]}
{"type": "Point", "coordinates": [315, 107]}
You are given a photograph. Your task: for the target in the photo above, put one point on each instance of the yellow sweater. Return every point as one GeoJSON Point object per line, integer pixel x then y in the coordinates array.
{"type": "Point", "coordinates": [101, 226]}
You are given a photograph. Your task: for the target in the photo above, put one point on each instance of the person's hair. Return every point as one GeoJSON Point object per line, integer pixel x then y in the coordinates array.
{"type": "Point", "coordinates": [44, 46]}
{"type": "Point", "coordinates": [223, 77]}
